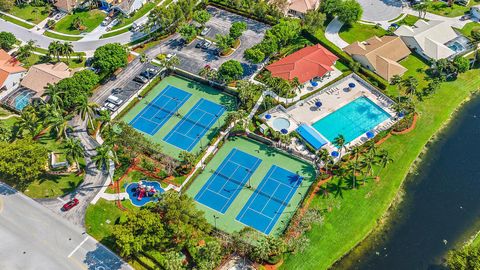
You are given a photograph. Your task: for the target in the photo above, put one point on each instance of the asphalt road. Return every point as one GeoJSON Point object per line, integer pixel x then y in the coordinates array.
{"type": "Point", "coordinates": [35, 238]}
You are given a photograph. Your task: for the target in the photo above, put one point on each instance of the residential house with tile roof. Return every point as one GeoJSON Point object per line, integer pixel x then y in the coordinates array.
{"type": "Point", "coordinates": [11, 72]}
{"type": "Point", "coordinates": [380, 55]}
{"type": "Point", "coordinates": [300, 7]}
{"type": "Point", "coordinates": [39, 76]}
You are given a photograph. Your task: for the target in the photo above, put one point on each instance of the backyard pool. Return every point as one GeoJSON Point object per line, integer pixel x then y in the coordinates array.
{"type": "Point", "coordinates": [22, 100]}
{"type": "Point", "coordinates": [352, 120]}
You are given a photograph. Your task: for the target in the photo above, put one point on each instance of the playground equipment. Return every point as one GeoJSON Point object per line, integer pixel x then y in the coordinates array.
{"type": "Point", "coordinates": [142, 190]}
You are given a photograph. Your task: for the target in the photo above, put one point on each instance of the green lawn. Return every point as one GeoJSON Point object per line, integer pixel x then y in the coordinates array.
{"type": "Point", "coordinates": [442, 8]}
{"type": "Point", "coordinates": [137, 15]}
{"type": "Point", "coordinates": [467, 29]}
{"type": "Point", "coordinates": [4, 112]}
{"type": "Point", "coordinates": [416, 67]}
{"type": "Point", "coordinates": [17, 22]}
{"type": "Point", "coordinates": [359, 211]}
{"type": "Point", "coordinates": [115, 33]}
{"type": "Point", "coordinates": [49, 185]}
{"type": "Point", "coordinates": [408, 20]}
{"type": "Point", "coordinates": [91, 19]}
{"type": "Point", "coordinates": [30, 13]}
{"type": "Point", "coordinates": [60, 37]}
{"type": "Point", "coordinates": [360, 32]}
{"type": "Point", "coordinates": [198, 91]}
{"type": "Point", "coordinates": [269, 157]}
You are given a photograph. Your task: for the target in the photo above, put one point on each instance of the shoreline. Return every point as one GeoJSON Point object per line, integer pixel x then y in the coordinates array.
{"type": "Point", "coordinates": [386, 218]}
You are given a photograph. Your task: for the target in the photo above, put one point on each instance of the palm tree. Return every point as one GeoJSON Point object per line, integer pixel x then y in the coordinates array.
{"type": "Point", "coordinates": [104, 154]}
{"type": "Point", "coordinates": [105, 120]}
{"type": "Point", "coordinates": [26, 50]}
{"type": "Point", "coordinates": [54, 95]}
{"type": "Point", "coordinates": [355, 152]}
{"type": "Point", "coordinates": [368, 162]}
{"type": "Point", "coordinates": [397, 81]}
{"type": "Point", "coordinates": [29, 121]}
{"type": "Point", "coordinates": [411, 84]}
{"type": "Point", "coordinates": [143, 58]}
{"type": "Point", "coordinates": [86, 110]}
{"type": "Point", "coordinates": [325, 158]}
{"type": "Point", "coordinates": [66, 50]}
{"type": "Point", "coordinates": [73, 150]}
{"type": "Point", "coordinates": [339, 142]}
{"type": "Point", "coordinates": [383, 160]}
{"type": "Point", "coordinates": [54, 49]}
{"type": "Point", "coordinates": [170, 63]}
{"type": "Point", "coordinates": [59, 123]}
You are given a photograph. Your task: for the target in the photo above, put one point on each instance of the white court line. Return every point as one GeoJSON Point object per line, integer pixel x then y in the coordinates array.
{"type": "Point", "coordinates": [63, 201]}
{"type": "Point", "coordinates": [79, 245]}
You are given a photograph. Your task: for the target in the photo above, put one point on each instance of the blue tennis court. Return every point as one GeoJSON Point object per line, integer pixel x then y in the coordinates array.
{"type": "Point", "coordinates": [188, 132]}
{"type": "Point", "coordinates": [270, 199]}
{"type": "Point", "coordinates": [226, 182]}
{"type": "Point", "coordinates": [159, 110]}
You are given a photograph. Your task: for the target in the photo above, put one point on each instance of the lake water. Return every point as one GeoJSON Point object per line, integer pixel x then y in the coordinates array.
{"type": "Point", "coordinates": [441, 207]}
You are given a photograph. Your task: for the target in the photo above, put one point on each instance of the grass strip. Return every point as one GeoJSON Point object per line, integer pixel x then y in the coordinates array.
{"type": "Point", "coordinates": [17, 22]}
{"type": "Point", "coordinates": [61, 37]}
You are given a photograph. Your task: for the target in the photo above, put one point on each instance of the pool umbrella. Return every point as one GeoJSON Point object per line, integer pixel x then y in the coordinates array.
{"type": "Point", "coordinates": [268, 116]}
{"type": "Point", "coordinates": [351, 85]}
{"type": "Point", "coordinates": [314, 83]}
{"type": "Point", "coordinates": [401, 114]}
{"type": "Point", "coordinates": [284, 131]}
{"type": "Point", "coordinates": [335, 154]}
{"type": "Point", "coordinates": [318, 104]}
{"type": "Point", "coordinates": [370, 134]}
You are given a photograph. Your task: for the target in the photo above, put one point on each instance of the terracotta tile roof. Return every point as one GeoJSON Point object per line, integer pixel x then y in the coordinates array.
{"type": "Point", "coordinates": [303, 6]}
{"type": "Point", "coordinates": [8, 65]}
{"type": "Point", "coordinates": [305, 64]}
{"type": "Point", "coordinates": [38, 76]}
{"type": "Point", "coordinates": [382, 54]}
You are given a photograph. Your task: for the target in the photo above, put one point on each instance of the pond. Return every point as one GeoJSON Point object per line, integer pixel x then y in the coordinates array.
{"type": "Point", "coordinates": [440, 208]}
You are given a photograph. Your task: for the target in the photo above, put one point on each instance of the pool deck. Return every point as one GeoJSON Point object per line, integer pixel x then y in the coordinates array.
{"type": "Point", "coordinates": [333, 97]}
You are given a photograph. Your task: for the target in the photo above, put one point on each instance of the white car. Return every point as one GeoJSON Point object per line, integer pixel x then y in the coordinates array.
{"type": "Point", "coordinates": [110, 106]}
{"type": "Point", "coordinates": [114, 100]}
{"type": "Point", "coordinates": [106, 21]}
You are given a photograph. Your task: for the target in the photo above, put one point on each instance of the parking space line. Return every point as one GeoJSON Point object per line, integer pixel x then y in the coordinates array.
{"type": "Point", "coordinates": [79, 245]}
{"type": "Point", "coordinates": [63, 201]}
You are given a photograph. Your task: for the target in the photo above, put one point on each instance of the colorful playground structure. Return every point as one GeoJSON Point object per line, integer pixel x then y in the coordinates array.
{"type": "Point", "coordinates": [143, 192]}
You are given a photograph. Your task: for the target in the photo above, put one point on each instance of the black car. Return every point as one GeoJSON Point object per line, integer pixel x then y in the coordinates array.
{"type": "Point", "coordinates": [147, 74]}
{"type": "Point", "coordinates": [116, 90]}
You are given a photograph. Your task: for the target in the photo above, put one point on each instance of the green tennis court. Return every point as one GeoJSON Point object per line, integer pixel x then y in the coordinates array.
{"type": "Point", "coordinates": [269, 157]}
{"type": "Point", "coordinates": [198, 93]}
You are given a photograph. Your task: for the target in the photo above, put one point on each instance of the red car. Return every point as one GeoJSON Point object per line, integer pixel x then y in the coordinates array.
{"type": "Point", "coordinates": [69, 205]}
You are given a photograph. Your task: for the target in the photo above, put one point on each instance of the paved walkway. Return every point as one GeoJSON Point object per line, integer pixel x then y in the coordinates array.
{"type": "Point", "coordinates": [331, 33]}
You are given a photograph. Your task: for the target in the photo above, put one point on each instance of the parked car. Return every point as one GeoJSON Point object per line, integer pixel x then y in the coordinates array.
{"type": "Point", "coordinates": [394, 26]}
{"type": "Point", "coordinates": [200, 44]}
{"type": "Point", "coordinates": [465, 17]}
{"type": "Point", "coordinates": [115, 100]}
{"type": "Point", "coordinates": [153, 70]}
{"type": "Point", "coordinates": [116, 90]}
{"type": "Point", "coordinates": [147, 74]}
{"type": "Point", "coordinates": [140, 79]}
{"type": "Point", "coordinates": [205, 31]}
{"type": "Point", "coordinates": [70, 204]}
{"type": "Point", "coordinates": [106, 21]}
{"type": "Point", "coordinates": [207, 44]}
{"type": "Point", "coordinates": [109, 106]}
{"type": "Point", "coordinates": [114, 22]}
{"type": "Point", "coordinates": [169, 56]}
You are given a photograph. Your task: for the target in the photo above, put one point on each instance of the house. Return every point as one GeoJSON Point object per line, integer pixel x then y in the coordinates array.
{"type": "Point", "coordinates": [298, 8]}
{"type": "Point", "coordinates": [39, 76]}
{"type": "Point", "coordinates": [11, 72]}
{"type": "Point", "coordinates": [67, 6]}
{"type": "Point", "coordinates": [380, 55]}
{"type": "Point", "coordinates": [305, 64]}
{"type": "Point", "coordinates": [475, 12]}
{"type": "Point", "coordinates": [124, 6]}
{"type": "Point", "coordinates": [432, 39]}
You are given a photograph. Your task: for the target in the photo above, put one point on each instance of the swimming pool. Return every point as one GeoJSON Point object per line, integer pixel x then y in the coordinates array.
{"type": "Point", "coordinates": [351, 120]}
{"type": "Point", "coordinates": [22, 100]}
{"type": "Point", "coordinates": [280, 123]}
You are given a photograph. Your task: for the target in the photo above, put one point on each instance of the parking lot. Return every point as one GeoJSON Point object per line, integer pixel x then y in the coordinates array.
{"type": "Point", "coordinates": [193, 59]}
{"type": "Point", "coordinates": [129, 88]}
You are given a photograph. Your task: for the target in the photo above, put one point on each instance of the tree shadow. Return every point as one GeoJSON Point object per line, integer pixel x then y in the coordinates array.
{"type": "Point", "coordinates": [102, 258]}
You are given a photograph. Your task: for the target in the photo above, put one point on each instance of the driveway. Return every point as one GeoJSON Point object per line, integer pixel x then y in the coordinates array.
{"type": "Point", "coordinates": [93, 181]}
{"type": "Point", "coordinates": [35, 238]}
{"type": "Point", "coordinates": [380, 10]}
